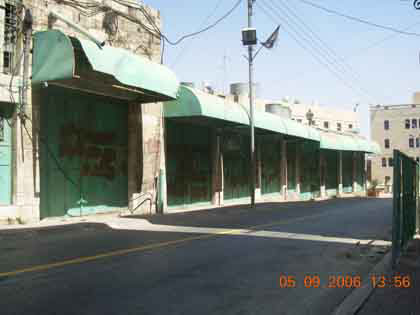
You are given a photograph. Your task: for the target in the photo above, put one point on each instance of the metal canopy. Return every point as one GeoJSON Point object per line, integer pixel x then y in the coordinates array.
{"type": "Point", "coordinates": [80, 64]}
{"type": "Point", "coordinates": [198, 105]}
{"type": "Point", "coordinates": [345, 142]}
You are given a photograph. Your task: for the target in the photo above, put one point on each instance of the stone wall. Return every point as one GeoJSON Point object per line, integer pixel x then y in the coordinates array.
{"type": "Point", "coordinates": [115, 31]}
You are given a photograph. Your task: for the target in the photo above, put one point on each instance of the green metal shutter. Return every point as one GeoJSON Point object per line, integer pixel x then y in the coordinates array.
{"type": "Point", "coordinates": [309, 170]}
{"type": "Point", "coordinates": [360, 171]}
{"type": "Point", "coordinates": [236, 166]}
{"type": "Point", "coordinates": [331, 172]}
{"type": "Point", "coordinates": [347, 171]}
{"type": "Point", "coordinates": [83, 153]}
{"type": "Point", "coordinates": [188, 164]}
{"type": "Point", "coordinates": [5, 162]}
{"type": "Point", "coordinates": [270, 165]}
{"type": "Point", "coordinates": [291, 166]}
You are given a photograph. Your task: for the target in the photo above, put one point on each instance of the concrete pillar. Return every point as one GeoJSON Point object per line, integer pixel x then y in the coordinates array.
{"type": "Point", "coordinates": [283, 168]}
{"type": "Point", "coordinates": [322, 169]}
{"type": "Point", "coordinates": [298, 170]}
{"type": "Point", "coordinates": [217, 169]}
{"type": "Point", "coordinates": [26, 171]}
{"type": "Point", "coordinates": [340, 172]}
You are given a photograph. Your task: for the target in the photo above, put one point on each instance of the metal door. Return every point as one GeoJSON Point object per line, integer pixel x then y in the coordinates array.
{"type": "Point", "coordinates": [291, 166]}
{"type": "Point", "coordinates": [83, 153]}
{"type": "Point", "coordinates": [5, 162]}
{"type": "Point", "coordinates": [331, 172]}
{"type": "Point", "coordinates": [347, 171]}
{"type": "Point", "coordinates": [309, 170]}
{"type": "Point", "coordinates": [236, 166]}
{"type": "Point", "coordinates": [188, 164]}
{"type": "Point", "coordinates": [270, 165]}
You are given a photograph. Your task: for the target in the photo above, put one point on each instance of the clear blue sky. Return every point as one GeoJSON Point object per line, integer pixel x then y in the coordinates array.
{"type": "Point", "coordinates": [387, 73]}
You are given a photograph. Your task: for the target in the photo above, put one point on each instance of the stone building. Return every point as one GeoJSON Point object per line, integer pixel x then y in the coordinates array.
{"type": "Point", "coordinates": [92, 113]}
{"type": "Point", "coordinates": [394, 127]}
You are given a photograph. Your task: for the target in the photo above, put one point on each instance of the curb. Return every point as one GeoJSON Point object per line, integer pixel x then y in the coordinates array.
{"type": "Point", "coordinates": [356, 299]}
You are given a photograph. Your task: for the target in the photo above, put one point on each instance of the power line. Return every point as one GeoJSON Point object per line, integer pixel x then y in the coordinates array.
{"type": "Point", "coordinates": [302, 42]}
{"type": "Point", "coordinates": [369, 47]}
{"type": "Point", "coordinates": [208, 17]}
{"type": "Point", "coordinates": [356, 19]}
{"type": "Point", "coordinates": [329, 53]}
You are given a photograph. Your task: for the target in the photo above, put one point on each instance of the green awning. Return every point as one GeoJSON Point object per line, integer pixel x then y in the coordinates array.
{"type": "Point", "coordinates": [194, 103]}
{"type": "Point", "coordinates": [81, 64]}
{"type": "Point", "coordinates": [346, 142]}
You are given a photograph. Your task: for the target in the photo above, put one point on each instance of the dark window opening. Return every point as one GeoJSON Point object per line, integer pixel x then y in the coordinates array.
{"type": "Point", "coordinates": [411, 142]}
{"type": "Point", "coordinates": [383, 162]}
{"type": "Point", "coordinates": [7, 62]}
{"type": "Point", "coordinates": [387, 143]}
{"type": "Point", "coordinates": [417, 142]}
{"type": "Point", "coordinates": [407, 124]}
{"type": "Point", "coordinates": [350, 126]}
{"type": "Point", "coordinates": [391, 162]}
{"type": "Point", "coordinates": [326, 125]}
{"type": "Point", "coordinates": [338, 126]}
{"type": "Point", "coordinates": [386, 124]}
{"type": "Point", "coordinates": [414, 123]}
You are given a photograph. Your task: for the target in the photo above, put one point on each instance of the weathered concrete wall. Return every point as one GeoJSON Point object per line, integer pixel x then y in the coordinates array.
{"type": "Point", "coordinates": [126, 35]}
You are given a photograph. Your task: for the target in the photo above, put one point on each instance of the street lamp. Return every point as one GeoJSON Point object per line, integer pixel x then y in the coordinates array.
{"type": "Point", "coordinates": [310, 117]}
{"type": "Point", "coordinates": [249, 39]}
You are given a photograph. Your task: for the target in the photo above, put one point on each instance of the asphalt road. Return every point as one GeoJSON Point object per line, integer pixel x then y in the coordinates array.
{"type": "Point", "coordinates": [94, 269]}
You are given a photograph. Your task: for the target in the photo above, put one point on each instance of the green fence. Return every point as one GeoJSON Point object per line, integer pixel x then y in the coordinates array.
{"type": "Point", "coordinates": [405, 202]}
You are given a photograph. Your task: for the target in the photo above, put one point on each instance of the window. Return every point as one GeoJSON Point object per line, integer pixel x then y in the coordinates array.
{"type": "Point", "coordinates": [411, 142]}
{"type": "Point", "coordinates": [339, 126]}
{"type": "Point", "coordinates": [407, 124]}
{"type": "Point", "coordinates": [390, 162]}
{"type": "Point", "coordinates": [7, 62]}
{"type": "Point", "coordinates": [386, 124]}
{"type": "Point", "coordinates": [350, 126]}
{"type": "Point", "coordinates": [417, 159]}
{"type": "Point", "coordinates": [383, 162]}
{"type": "Point", "coordinates": [299, 120]}
{"type": "Point", "coordinates": [386, 143]}
{"type": "Point", "coordinates": [326, 125]}
{"type": "Point", "coordinates": [387, 180]}
{"type": "Point", "coordinates": [417, 142]}
{"type": "Point", "coordinates": [414, 123]}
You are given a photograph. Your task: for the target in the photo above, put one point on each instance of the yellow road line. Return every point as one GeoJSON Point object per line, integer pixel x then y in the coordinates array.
{"type": "Point", "coordinates": [144, 248]}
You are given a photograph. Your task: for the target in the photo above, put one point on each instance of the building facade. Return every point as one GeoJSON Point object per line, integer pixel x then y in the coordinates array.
{"type": "Point", "coordinates": [90, 115]}
{"type": "Point", "coordinates": [394, 127]}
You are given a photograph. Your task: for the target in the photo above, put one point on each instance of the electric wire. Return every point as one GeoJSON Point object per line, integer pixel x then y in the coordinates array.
{"type": "Point", "coordinates": [356, 19]}
{"type": "Point", "coordinates": [302, 41]}
{"type": "Point", "coordinates": [333, 57]}
{"type": "Point", "coordinates": [185, 49]}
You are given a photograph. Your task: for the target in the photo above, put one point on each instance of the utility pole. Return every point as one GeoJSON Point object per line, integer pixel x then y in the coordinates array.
{"type": "Point", "coordinates": [251, 106]}
{"type": "Point", "coordinates": [27, 30]}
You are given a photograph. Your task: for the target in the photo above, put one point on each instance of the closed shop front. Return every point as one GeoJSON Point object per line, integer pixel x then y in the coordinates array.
{"type": "Point", "coordinates": [236, 166]}
{"type": "Point", "coordinates": [188, 164]}
{"type": "Point", "coordinates": [347, 171]}
{"type": "Point", "coordinates": [5, 162]}
{"type": "Point", "coordinates": [309, 170]}
{"type": "Point", "coordinates": [360, 171]}
{"type": "Point", "coordinates": [83, 153]}
{"type": "Point", "coordinates": [270, 164]}
{"type": "Point", "coordinates": [291, 166]}
{"type": "Point", "coordinates": [331, 172]}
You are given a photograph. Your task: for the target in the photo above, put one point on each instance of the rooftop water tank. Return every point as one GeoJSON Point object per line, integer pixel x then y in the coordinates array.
{"type": "Point", "coordinates": [279, 109]}
{"type": "Point", "coordinates": [243, 89]}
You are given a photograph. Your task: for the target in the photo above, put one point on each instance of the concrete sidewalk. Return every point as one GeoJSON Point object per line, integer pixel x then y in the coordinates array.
{"type": "Point", "coordinates": [394, 300]}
